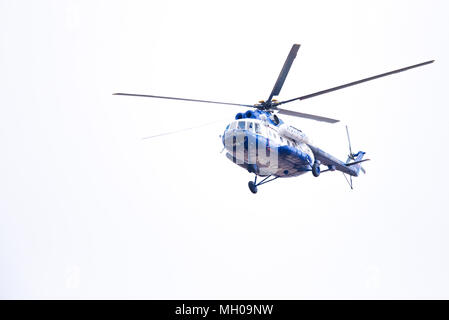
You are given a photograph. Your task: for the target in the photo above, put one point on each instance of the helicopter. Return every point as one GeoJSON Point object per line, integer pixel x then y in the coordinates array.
{"type": "Point", "coordinates": [263, 144]}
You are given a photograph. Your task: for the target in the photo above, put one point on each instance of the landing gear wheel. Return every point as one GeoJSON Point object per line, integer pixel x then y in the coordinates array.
{"type": "Point", "coordinates": [252, 186]}
{"type": "Point", "coordinates": [316, 170]}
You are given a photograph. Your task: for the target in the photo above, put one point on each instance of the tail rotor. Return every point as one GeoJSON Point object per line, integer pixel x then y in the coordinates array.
{"type": "Point", "coordinates": [352, 157]}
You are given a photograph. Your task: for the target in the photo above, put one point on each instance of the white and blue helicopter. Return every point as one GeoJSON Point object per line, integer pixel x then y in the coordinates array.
{"type": "Point", "coordinates": [260, 142]}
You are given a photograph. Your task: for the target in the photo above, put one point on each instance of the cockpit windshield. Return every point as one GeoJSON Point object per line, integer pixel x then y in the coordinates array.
{"type": "Point", "coordinates": [252, 126]}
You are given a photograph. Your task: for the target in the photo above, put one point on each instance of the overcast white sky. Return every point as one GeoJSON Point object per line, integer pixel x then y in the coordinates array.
{"type": "Point", "coordinates": [90, 210]}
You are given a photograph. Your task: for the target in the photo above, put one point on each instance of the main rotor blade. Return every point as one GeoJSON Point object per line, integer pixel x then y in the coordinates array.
{"type": "Point", "coordinates": [306, 115]}
{"type": "Point", "coordinates": [356, 82]}
{"type": "Point", "coordinates": [285, 69]}
{"type": "Point", "coordinates": [182, 99]}
{"type": "Point", "coordinates": [181, 130]}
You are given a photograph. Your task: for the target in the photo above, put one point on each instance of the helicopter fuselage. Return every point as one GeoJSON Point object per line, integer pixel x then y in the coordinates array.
{"type": "Point", "coordinates": [260, 143]}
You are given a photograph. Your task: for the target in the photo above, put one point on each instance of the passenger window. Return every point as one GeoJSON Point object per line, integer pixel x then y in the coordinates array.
{"type": "Point", "coordinates": [282, 140]}
{"type": "Point", "coordinates": [257, 127]}
{"type": "Point", "coordinates": [288, 142]}
{"type": "Point", "coordinates": [242, 125]}
{"type": "Point", "coordinates": [250, 127]}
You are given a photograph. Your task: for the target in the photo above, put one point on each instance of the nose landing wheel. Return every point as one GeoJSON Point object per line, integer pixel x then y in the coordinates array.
{"type": "Point", "coordinates": [252, 186]}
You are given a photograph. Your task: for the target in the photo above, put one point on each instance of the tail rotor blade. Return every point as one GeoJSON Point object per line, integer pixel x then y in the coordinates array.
{"type": "Point", "coordinates": [349, 181]}
{"type": "Point", "coordinates": [349, 141]}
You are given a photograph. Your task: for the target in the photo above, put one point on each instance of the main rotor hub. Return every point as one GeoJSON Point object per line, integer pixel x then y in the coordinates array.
{"type": "Point", "coordinates": [267, 105]}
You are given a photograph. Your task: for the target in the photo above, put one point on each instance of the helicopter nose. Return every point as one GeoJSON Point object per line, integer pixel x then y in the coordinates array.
{"type": "Point", "coordinates": [235, 138]}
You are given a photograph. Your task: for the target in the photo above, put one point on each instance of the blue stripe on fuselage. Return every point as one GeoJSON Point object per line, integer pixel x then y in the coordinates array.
{"type": "Point", "coordinates": [290, 159]}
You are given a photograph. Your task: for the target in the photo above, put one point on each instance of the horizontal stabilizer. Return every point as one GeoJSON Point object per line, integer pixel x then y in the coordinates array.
{"type": "Point", "coordinates": [356, 162]}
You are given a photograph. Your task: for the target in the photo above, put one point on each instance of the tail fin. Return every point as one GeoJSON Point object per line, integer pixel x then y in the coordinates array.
{"type": "Point", "coordinates": [357, 161]}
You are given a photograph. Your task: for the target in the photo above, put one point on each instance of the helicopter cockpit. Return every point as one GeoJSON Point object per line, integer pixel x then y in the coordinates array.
{"type": "Point", "coordinates": [251, 125]}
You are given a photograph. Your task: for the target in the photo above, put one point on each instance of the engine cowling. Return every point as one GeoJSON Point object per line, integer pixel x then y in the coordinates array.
{"type": "Point", "coordinates": [293, 133]}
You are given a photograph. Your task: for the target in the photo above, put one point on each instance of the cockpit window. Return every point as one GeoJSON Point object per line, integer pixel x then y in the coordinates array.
{"type": "Point", "coordinates": [242, 125]}
{"type": "Point", "coordinates": [233, 125]}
